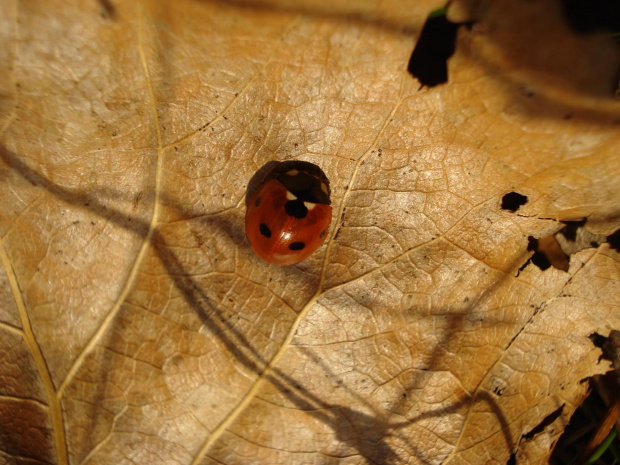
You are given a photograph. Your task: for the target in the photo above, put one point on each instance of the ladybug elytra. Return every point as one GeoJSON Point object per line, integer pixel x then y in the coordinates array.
{"type": "Point", "coordinates": [289, 215]}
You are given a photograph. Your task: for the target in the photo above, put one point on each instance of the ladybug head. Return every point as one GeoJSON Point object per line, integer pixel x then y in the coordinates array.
{"type": "Point", "coordinates": [304, 179]}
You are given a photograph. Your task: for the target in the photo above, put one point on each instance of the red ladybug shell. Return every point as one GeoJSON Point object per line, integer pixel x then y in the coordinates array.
{"type": "Point", "coordinates": [283, 229]}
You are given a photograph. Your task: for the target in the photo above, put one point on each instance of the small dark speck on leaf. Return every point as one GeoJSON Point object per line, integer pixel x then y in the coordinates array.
{"type": "Point", "coordinates": [107, 9]}
{"type": "Point", "coordinates": [527, 92]}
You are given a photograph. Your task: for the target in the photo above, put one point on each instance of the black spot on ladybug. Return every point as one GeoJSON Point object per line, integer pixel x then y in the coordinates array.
{"type": "Point", "coordinates": [265, 231]}
{"type": "Point", "coordinates": [296, 246]}
{"type": "Point", "coordinates": [322, 233]}
{"type": "Point", "coordinates": [513, 201]}
{"type": "Point", "coordinates": [296, 208]}
{"type": "Point", "coordinates": [257, 201]}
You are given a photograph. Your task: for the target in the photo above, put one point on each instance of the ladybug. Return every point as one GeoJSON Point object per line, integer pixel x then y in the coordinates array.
{"type": "Point", "coordinates": [289, 214]}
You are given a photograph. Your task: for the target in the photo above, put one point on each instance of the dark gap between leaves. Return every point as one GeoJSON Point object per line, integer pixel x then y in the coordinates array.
{"type": "Point", "coordinates": [556, 249]}
{"type": "Point", "coordinates": [585, 16]}
{"type": "Point", "coordinates": [570, 230]}
{"type": "Point", "coordinates": [614, 240]}
{"type": "Point", "coordinates": [544, 423]}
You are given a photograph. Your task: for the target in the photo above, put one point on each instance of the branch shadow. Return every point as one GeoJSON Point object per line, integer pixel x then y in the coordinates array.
{"type": "Point", "coordinates": [244, 352]}
{"type": "Point", "coordinates": [365, 433]}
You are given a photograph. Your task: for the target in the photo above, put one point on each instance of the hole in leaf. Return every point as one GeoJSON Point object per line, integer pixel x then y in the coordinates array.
{"type": "Point", "coordinates": [598, 340]}
{"type": "Point", "coordinates": [614, 240]}
{"type": "Point", "coordinates": [513, 201]}
{"type": "Point", "coordinates": [543, 424]}
{"type": "Point", "coordinates": [555, 250]}
{"type": "Point", "coordinates": [570, 230]}
{"type": "Point", "coordinates": [574, 237]}
{"type": "Point", "coordinates": [539, 258]}
{"type": "Point", "coordinates": [428, 62]}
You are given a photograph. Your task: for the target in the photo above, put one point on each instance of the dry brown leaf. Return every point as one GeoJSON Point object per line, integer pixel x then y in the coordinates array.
{"type": "Point", "coordinates": [136, 325]}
